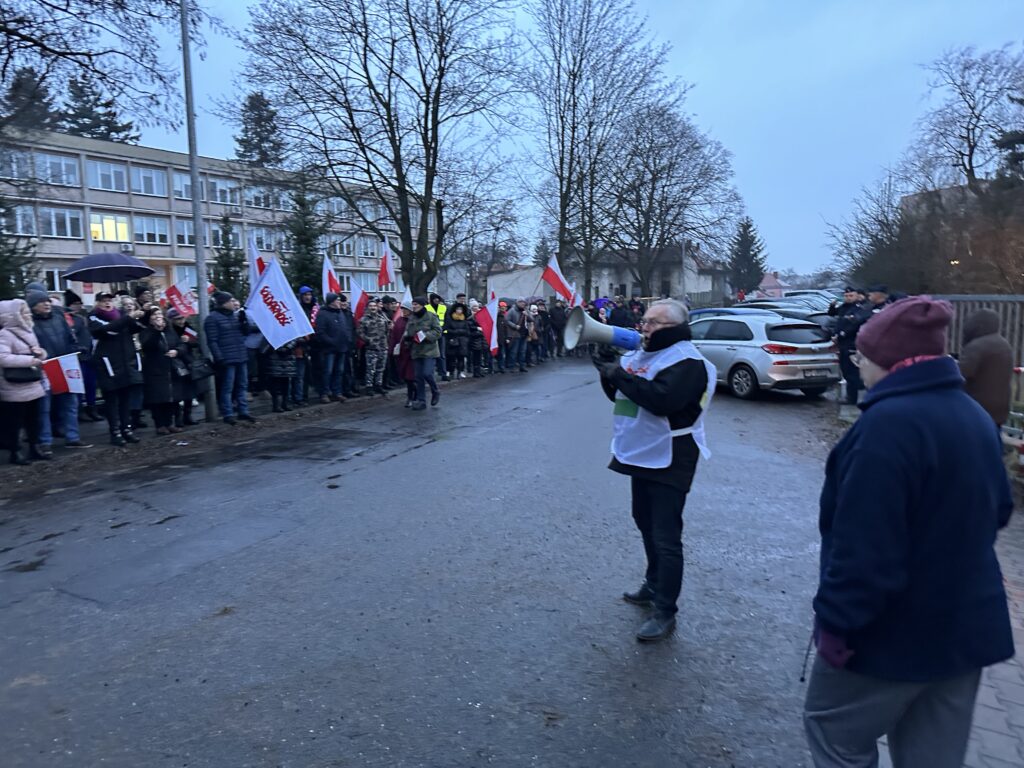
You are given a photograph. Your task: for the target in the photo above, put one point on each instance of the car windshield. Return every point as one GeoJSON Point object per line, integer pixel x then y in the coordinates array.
{"type": "Point", "coordinates": [797, 334]}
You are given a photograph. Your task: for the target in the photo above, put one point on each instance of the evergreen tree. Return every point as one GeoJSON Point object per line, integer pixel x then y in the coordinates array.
{"type": "Point", "coordinates": [1011, 143]}
{"type": "Point", "coordinates": [87, 113]}
{"type": "Point", "coordinates": [28, 103]}
{"type": "Point", "coordinates": [260, 143]}
{"type": "Point", "coordinates": [17, 257]}
{"type": "Point", "coordinates": [230, 271]}
{"type": "Point", "coordinates": [542, 251]}
{"type": "Point", "coordinates": [747, 257]}
{"type": "Point", "coordinates": [304, 227]}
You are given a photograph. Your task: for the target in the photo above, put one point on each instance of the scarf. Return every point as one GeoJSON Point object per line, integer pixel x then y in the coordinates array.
{"type": "Point", "coordinates": [110, 315]}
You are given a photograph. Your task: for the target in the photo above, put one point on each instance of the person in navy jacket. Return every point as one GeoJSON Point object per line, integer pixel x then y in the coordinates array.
{"type": "Point", "coordinates": [910, 605]}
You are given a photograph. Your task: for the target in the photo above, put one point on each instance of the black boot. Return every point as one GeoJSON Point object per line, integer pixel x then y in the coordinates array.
{"type": "Point", "coordinates": [91, 413]}
{"type": "Point", "coordinates": [275, 400]}
{"type": "Point", "coordinates": [137, 421]}
{"type": "Point", "coordinates": [644, 597]}
{"type": "Point", "coordinates": [187, 419]}
{"type": "Point", "coordinates": [17, 458]}
{"type": "Point", "coordinates": [130, 436]}
{"type": "Point", "coordinates": [116, 439]}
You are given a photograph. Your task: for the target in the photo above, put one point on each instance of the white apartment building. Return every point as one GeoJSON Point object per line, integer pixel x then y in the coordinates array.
{"type": "Point", "coordinates": [75, 196]}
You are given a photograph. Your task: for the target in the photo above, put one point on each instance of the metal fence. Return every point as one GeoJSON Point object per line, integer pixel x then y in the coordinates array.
{"type": "Point", "coordinates": [1011, 322]}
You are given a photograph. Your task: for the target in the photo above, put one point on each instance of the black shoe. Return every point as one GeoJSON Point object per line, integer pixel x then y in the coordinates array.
{"type": "Point", "coordinates": [76, 444]}
{"type": "Point", "coordinates": [130, 436]}
{"type": "Point", "coordinates": [286, 407]}
{"type": "Point", "coordinates": [230, 420]}
{"type": "Point", "coordinates": [190, 423]}
{"type": "Point", "coordinates": [277, 409]}
{"type": "Point", "coordinates": [40, 452]}
{"type": "Point", "coordinates": [435, 398]}
{"type": "Point", "coordinates": [117, 440]}
{"type": "Point", "coordinates": [408, 403]}
{"type": "Point", "coordinates": [17, 458]}
{"type": "Point", "coordinates": [644, 597]}
{"type": "Point", "coordinates": [246, 417]}
{"type": "Point", "coordinates": [657, 627]}
{"type": "Point", "coordinates": [91, 414]}
{"type": "Point", "coordinates": [522, 370]}
{"type": "Point", "coordinates": [418, 405]}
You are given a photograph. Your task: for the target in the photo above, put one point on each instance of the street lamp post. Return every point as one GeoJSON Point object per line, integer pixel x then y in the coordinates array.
{"type": "Point", "coordinates": [198, 231]}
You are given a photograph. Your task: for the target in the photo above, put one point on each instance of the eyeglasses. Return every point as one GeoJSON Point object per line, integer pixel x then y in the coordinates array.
{"type": "Point", "coordinates": [652, 321]}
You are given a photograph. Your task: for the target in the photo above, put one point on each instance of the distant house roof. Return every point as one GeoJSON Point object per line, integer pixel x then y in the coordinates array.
{"type": "Point", "coordinates": [771, 281]}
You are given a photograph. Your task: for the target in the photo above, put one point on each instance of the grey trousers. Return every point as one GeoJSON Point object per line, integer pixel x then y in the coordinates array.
{"type": "Point", "coordinates": [927, 724]}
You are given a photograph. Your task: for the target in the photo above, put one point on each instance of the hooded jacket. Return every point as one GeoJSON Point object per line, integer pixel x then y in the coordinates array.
{"type": "Point", "coordinates": [986, 363]}
{"type": "Point", "coordinates": [913, 497]}
{"type": "Point", "coordinates": [16, 341]}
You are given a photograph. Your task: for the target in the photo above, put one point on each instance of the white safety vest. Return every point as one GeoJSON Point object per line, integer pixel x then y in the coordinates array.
{"type": "Point", "coordinates": [642, 439]}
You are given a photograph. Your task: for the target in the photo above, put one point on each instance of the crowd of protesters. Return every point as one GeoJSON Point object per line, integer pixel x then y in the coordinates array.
{"type": "Point", "coordinates": [141, 360]}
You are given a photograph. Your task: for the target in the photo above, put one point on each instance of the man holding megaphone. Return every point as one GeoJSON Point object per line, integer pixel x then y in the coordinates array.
{"type": "Point", "coordinates": [661, 392]}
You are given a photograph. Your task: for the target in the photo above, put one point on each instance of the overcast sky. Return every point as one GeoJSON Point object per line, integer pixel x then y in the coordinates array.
{"type": "Point", "coordinates": [814, 98]}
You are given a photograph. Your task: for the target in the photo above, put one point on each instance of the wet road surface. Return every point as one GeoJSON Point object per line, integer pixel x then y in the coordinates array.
{"type": "Point", "coordinates": [400, 589]}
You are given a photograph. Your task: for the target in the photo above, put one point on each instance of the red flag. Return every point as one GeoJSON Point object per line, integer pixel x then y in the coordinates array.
{"type": "Point", "coordinates": [553, 276]}
{"type": "Point", "coordinates": [329, 282]}
{"type": "Point", "coordinates": [386, 276]}
{"type": "Point", "coordinates": [487, 319]}
{"type": "Point", "coordinates": [360, 299]}
{"type": "Point", "coordinates": [64, 374]}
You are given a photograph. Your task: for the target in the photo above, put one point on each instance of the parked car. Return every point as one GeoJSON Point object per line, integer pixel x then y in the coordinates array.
{"type": "Point", "coordinates": [717, 311]}
{"type": "Point", "coordinates": [756, 352]}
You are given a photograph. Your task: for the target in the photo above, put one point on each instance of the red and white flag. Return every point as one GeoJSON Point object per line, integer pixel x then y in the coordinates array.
{"type": "Point", "coordinates": [553, 276]}
{"type": "Point", "coordinates": [329, 282]}
{"type": "Point", "coordinates": [359, 299]}
{"type": "Point", "coordinates": [576, 299]}
{"type": "Point", "coordinates": [386, 276]}
{"type": "Point", "coordinates": [487, 319]}
{"type": "Point", "coordinates": [64, 375]}
{"type": "Point", "coordinates": [275, 309]}
{"type": "Point", "coordinates": [257, 264]}
{"type": "Point", "coordinates": [183, 298]}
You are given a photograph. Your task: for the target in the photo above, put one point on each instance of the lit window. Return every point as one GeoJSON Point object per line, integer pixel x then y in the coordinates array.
{"type": "Point", "coordinates": [184, 232]}
{"type": "Point", "coordinates": [110, 227]}
{"type": "Point", "coordinates": [152, 229]}
{"type": "Point", "coordinates": [149, 181]}
{"type": "Point", "coordinates": [57, 169]}
{"type": "Point", "coordinates": [109, 176]}
{"type": "Point", "coordinates": [60, 222]}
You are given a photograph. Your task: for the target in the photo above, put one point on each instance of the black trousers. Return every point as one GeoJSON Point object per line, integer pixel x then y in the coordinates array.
{"type": "Point", "coordinates": [851, 373]}
{"type": "Point", "coordinates": [119, 409]}
{"type": "Point", "coordinates": [658, 513]}
{"type": "Point", "coordinates": [163, 414]}
{"type": "Point", "coordinates": [16, 416]}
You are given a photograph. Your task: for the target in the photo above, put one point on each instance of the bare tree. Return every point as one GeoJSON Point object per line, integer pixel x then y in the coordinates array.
{"type": "Point", "coordinates": [975, 108]}
{"type": "Point", "coordinates": [593, 63]}
{"type": "Point", "coordinates": [671, 182]}
{"type": "Point", "coordinates": [112, 43]}
{"type": "Point", "coordinates": [378, 92]}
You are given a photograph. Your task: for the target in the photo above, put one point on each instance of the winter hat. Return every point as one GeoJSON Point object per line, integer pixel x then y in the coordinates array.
{"type": "Point", "coordinates": [34, 286]}
{"type": "Point", "coordinates": [34, 297]}
{"type": "Point", "coordinates": [141, 289]}
{"type": "Point", "coordinates": [387, 301]}
{"type": "Point", "coordinates": [70, 297]}
{"type": "Point", "coordinates": [908, 328]}
{"type": "Point", "coordinates": [421, 300]}
{"type": "Point", "coordinates": [330, 298]}
{"type": "Point", "coordinates": [172, 313]}
{"type": "Point", "coordinates": [305, 289]}
{"type": "Point", "coordinates": [221, 297]}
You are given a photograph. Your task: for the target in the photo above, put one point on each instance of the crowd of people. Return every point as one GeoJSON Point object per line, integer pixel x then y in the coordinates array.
{"type": "Point", "coordinates": [136, 355]}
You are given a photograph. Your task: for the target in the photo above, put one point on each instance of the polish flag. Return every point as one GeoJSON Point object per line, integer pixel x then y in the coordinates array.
{"type": "Point", "coordinates": [329, 282]}
{"type": "Point", "coordinates": [257, 264]}
{"type": "Point", "coordinates": [64, 375]}
{"type": "Point", "coordinates": [359, 299]}
{"type": "Point", "coordinates": [487, 319]}
{"type": "Point", "coordinates": [576, 299]}
{"type": "Point", "coordinates": [183, 298]}
{"type": "Point", "coordinates": [553, 276]}
{"type": "Point", "coordinates": [386, 276]}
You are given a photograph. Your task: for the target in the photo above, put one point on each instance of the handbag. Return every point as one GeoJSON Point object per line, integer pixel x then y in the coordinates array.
{"type": "Point", "coordinates": [201, 369]}
{"type": "Point", "coordinates": [180, 368]}
{"type": "Point", "coordinates": [23, 375]}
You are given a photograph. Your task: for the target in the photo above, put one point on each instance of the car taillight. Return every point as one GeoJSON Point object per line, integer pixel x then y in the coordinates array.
{"type": "Point", "coordinates": [780, 349]}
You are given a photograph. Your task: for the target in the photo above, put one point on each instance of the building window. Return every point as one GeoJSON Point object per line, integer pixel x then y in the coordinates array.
{"type": "Point", "coordinates": [213, 236]}
{"type": "Point", "coordinates": [20, 220]}
{"type": "Point", "coordinates": [60, 222]}
{"type": "Point", "coordinates": [415, 217]}
{"type": "Point", "coordinates": [53, 280]}
{"type": "Point", "coordinates": [184, 232]}
{"type": "Point", "coordinates": [264, 238]}
{"type": "Point", "coordinates": [185, 274]}
{"type": "Point", "coordinates": [260, 197]}
{"type": "Point", "coordinates": [345, 281]}
{"type": "Point", "coordinates": [112, 177]}
{"type": "Point", "coordinates": [111, 227]}
{"type": "Point", "coordinates": [341, 246]}
{"type": "Point", "coordinates": [366, 247]}
{"type": "Point", "coordinates": [57, 169]}
{"type": "Point", "coordinates": [15, 164]}
{"type": "Point", "coordinates": [152, 229]}
{"type": "Point", "coordinates": [226, 191]}
{"type": "Point", "coordinates": [149, 181]}
{"type": "Point", "coordinates": [286, 242]}
{"type": "Point", "coordinates": [183, 186]}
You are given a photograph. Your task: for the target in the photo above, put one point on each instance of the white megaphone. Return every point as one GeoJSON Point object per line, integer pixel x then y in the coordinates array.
{"type": "Point", "coordinates": [581, 328]}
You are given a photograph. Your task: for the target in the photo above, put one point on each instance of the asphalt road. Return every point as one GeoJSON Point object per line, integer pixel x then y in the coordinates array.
{"type": "Point", "coordinates": [387, 588]}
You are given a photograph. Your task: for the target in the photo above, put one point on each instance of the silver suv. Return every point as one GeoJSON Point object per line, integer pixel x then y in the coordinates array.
{"type": "Point", "coordinates": [755, 352]}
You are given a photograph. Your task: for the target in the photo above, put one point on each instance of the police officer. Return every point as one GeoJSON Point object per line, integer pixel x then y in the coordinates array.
{"type": "Point", "coordinates": [850, 316]}
{"type": "Point", "coordinates": [660, 393]}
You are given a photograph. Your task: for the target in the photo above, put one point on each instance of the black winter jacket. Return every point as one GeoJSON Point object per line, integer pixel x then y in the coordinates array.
{"type": "Point", "coordinates": [158, 370]}
{"type": "Point", "coordinates": [849, 319]}
{"type": "Point", "coordinates": [117, 362]}
{"type": "Point", "coordinates": [54, 334]}
{"type": "Point", "coordinates": [333, 330]}
{"type": "Point", "coordinates": [225, 335]}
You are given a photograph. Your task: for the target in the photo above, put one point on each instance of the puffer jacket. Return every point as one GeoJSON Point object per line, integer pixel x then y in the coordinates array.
{"type": "Point", "coordinates": [986, 363]}
{"type": "Point", "coordinates": [456, 334]}
{"type": "Point", "coordinates": [426, 322]}
{"type": "Point", "coordinates": [16, 341]}
{"type": "Point", "coordinates": [333, 332]}
{"type": "Point", "coordinates": [54, 333]}
{"type": "Point", "coordinates": [281, 362]}
{"type": "Point", "coordinates": [225, 335]}
{"type": "Point", "coordinates": [117, 362]}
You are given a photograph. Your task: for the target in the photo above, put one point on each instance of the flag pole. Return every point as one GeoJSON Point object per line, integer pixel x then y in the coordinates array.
{"type": "Point", "coordinates": [198, 230]}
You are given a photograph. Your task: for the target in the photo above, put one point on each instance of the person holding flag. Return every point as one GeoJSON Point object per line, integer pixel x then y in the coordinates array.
{"type": "Point", "coordinates": [21, 384]}
{"type": "Point", "coordinates": [423, 332]}
{"type": "Point", "coordinates": [225, 336]}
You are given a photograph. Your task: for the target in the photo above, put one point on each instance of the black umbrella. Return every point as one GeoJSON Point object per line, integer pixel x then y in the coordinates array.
{"type": "Point", "coordinates": [107, 268]}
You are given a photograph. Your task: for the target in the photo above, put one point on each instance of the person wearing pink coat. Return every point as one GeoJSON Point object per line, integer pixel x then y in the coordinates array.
{"type": "Point", "coordinates": [21, 380]}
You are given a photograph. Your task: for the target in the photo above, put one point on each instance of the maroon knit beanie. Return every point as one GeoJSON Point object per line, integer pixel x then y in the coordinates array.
{"type": "Point", "coordinates": [907, 328]}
